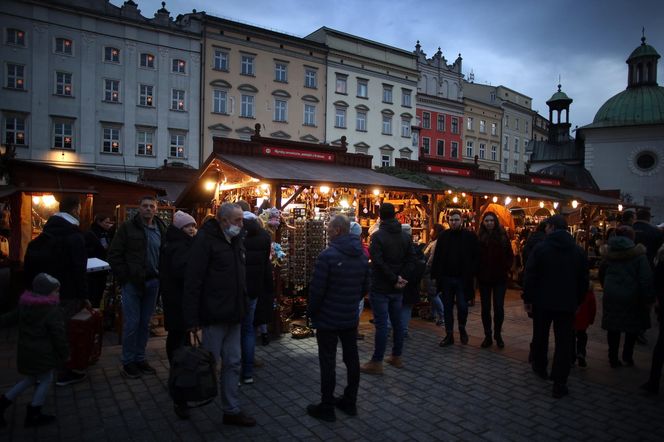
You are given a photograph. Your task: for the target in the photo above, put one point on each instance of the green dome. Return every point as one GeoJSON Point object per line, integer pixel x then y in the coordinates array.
{"type": "Point", "coordinates": [559, 96]}
{"type": "Point", "coordinates": [643, 50]}
{"type": "Point", "coordinates": [634, 106]}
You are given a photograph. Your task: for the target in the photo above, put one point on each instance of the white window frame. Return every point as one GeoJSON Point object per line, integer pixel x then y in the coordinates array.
{"type": "Point", "coordinates": [426, 120]}
{"type": "Point", "coordinates": [146, 95]}
{"type": "Point", "coordinates": [362, 88]}
{"type": "Point", "coordinates": [178, 100]}
{"type": "Point", "coordinates": [482, 126]}
{"type": "Point", "coordinates": [385, 160]}
{"type": "Point", "coordinates": [440, 148]}
{"type": "Point", "coordinates": [15, 37]}
{"type": "Point", "coordinates": [406, 98]}
{"type": "Point", "coordinates": [247, 106]}
{"type": "Point", "coordinates": [280, 110]}
{"type": "Point", "coordinates": [386, 126]}
{"type": "Point", "coordinates": [426, 145]}
{"type": "Point", "coordinates": [15, 76]}
{"type": "Point", "coordinates": [469, 123]}
{"type": "Point", "coordinates": [146, 60]}
{"type": "Point", "coordinates": [388, 96]}
{"type": "Point", "coordinates": [454, 149]}
{"type": "Point", "coordinates": [221, 61]}
{"type": "Point", "coordinates": [494, 129]}
{"type": "Point", "coordinates": [145, 143]}
{"type": "Point", "coordinates": [516, 145]}
{"type": "Point", "coordinates": [111, 55]}
{"type": "Point", "coordinates": [281, 72]}
{"type": "Point", "coordinates": [63, 84]}
{"type": "Point", "coordinates": [247, 65]}
{"type": "Point", "coordinates": [341, 84]}
{"type": "Point", "coordinates": [15, 129]}
{"type": "Point", "coordinates": [110, 140]}
{"type": "Point", "coordinates": [340, 117]}
{"type": "Point", "coordinates": [494, 152]}
{"type": "Point", "coordinates": [61, 47]}
{"type": "Point", "coordinates": [455, 125]}
{"type": "Point", "coordinates": [482, 151]}
{"type": "Point", "coordinates": [440, 123]}
{"type": "Point", "coordinates": [310, 78]}
{"type": "Point", "coordinates": [506, 143]}
{"type": "Point", "coordinates": [177, 145]}
{"type": "Point", "coordinates": [220, 101]}
{"type": "Point", "coordinates": [309, 114]}
{"type": "Point", "coordinates": [469, 149]}
{"type": "Point", "coordinates": [111, 90]}
{"type": "Point", "coordinates": [63, 134]}
{"type": "Point", "coordinates": [361, 121]}
{"type": "Point", "coordinates": [405, 127]}
{"type": "Point", "coordinates": [178, 66]}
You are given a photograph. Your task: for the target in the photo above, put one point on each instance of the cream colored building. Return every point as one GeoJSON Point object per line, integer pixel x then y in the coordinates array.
{"type": "Point", "coordinates": [257, 76]}
{"type": "Point", "coordinates": [482, 134]}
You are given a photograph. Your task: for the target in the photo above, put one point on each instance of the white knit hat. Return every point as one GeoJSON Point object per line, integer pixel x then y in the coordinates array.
{"type": "Point", "coordinates": [248, 215]}
{"type": "Point", "coordinates": [181, 219]}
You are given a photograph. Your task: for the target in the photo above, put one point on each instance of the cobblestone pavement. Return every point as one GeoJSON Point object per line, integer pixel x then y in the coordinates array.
{"type": "Point", "coordinates": [455, 393]}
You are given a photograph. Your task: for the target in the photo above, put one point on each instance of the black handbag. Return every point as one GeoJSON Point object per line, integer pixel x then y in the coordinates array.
{"type": "Point", "coordinates": [193, 374]}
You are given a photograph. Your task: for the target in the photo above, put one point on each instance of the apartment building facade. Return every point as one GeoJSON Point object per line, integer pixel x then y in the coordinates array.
{"type": "Point", "coordinates": [482, 134]}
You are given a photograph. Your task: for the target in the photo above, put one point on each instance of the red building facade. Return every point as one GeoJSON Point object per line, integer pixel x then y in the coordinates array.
{"type": "Point", "coordinates": [440, 133]}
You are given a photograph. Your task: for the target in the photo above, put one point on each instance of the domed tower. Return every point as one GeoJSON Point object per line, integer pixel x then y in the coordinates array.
{"type": "Point", "coordinates": [559, 130]}
{"type": "Point", "coordinates": [642, 64]}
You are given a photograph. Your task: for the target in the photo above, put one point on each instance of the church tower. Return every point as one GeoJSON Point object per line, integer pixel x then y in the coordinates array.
{"type": "Point", "coordinates": [559, 130]}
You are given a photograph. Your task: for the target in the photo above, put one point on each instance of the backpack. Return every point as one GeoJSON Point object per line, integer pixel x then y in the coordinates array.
{"type": "Point", "coordinates": [192, 377]}
{"type": "Point", "coordinates": [44, 254]}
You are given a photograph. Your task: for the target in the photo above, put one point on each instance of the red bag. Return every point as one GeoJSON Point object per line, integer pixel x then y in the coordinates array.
{"type": "Point", "coordinates": [85, 338]}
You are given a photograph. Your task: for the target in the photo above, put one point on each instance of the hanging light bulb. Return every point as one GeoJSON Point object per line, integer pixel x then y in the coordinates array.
{"type": "Point", "coordinates": [555, 204]}
{"type": "Point", "coordinates": [620, 207]}
{"type": "Point", "coordinates": [575, 204]}
{"type": "Point", "coordinates": [463, 194]}
{"type": "Point", "coordinates": [518, 199]}
{"type": "Point", "coordinates": [449, 192]}
{"type": "Point", "coordinates": [541, 204]}
{"type": "Point", "coordinates": [324, 189]}
{"type": "Point", "coordinates": [331, 200]}
{"type": "Point", "coordinates": [48, 200]}
{"type": "Point", "coordinates": [344, 203]}
{"type": "Point", "coordinates": [494, 199]}
{"type": "Point", "coordinates": [36, 200]}
{"type": "Point", "coordinates": [455, 199]}
{"type": "Point", "coordinates": [365, 210]}
{"type": "Point", "coordinates": [508, 200]}
{"type": "Point", "coordinates": [376, 192]}
{"type": "Point", "coordinates": [486, 197]}
{"type": "Point", "coordinates": [526, 199]}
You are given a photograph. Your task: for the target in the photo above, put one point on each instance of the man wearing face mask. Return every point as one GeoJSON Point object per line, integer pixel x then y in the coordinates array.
{"type": "Point", "coordinates": [215, 299]}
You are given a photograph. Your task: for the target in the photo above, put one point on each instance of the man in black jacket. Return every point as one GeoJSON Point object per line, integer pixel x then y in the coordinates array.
{"type": "Point", "coordinates": [215, 299]}
{"type": "Point", "coordinates": [556, 280]}
{"type": "Point", "coordinates": [392, 262]}
{"type": "Point", "coordinates": [454, 267]}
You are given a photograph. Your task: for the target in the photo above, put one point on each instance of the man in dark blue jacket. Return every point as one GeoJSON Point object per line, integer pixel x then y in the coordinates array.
{"type": "Point", "coordinates": [556, 280]}
{"type": "Point", "coordinates": [340, 279]}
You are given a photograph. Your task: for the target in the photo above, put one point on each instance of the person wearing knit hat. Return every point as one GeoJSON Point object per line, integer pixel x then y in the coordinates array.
{"type": "Point", "coordinates": [248, 215]}
{"type": "Point", "coordinates": [44, 284]}
{"type": "Point", "coordinates": [355, 229]}
{"type": "Point", "coordinates": [182, 219]}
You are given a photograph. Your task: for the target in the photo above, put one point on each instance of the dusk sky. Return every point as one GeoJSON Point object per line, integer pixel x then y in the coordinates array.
{"type": "Point", "coordinates": [522, 44]}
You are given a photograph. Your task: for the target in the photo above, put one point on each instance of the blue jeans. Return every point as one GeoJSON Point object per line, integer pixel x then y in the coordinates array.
{"type": "Point", "coordinates": [406, 314]}
{"type": "Point", "coordinates": [248, 340]}
{"type": "Point", "coordinates": [223, 341]}
{"type": "Point", "coordinates": [39, 396]}
{"type": "Point", "coordinates": [387, 306]}
{"type": "Point", "coordinates": [437, 309]}
{"type": "Point", "coordinates": [452, 288]}
{"type": "Point", "coordinates": [137, 309]}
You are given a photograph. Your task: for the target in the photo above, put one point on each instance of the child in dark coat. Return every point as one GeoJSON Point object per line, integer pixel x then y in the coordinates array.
{"type": "Point", "coordinates": [42, 346]}
{"type": "Point", "coordinates": [585, 316]}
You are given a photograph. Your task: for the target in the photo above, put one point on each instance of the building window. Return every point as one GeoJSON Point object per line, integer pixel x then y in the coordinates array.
{"type": "Point", "coordinates": [507, 121]}
{"type": "Point", "coordinates": [426, 145]}
{"type": "Point", "coordinates": [341, 86]}
{"type": "Point", "coordinates": [494, 129]}
{"type": "Point", "coordinates": [147, 60]}
{"type": "Point", "coordinates": [309, 115]}
{"type": "Point", "coordinates": [454, 150]}
{"type": "Point", "coordinates": [220, 60]}
{"type": "Point", "coordinates": [247, 65]}
{"type": "Point", "coordinates": [280, 110]}
{"type": "Point", "coordinates": [482, 126]}
{"type": "Point", "coordinates": [440, 148]}
{"type": "Point", "coordinates": [405, 127]}
{"type": "Point", "coordinates": [426, 120]}
{"type": "Point", "coordinates": [646, 161]}
{"type": "Point", "coordinates": [219, 100]}
{"type": "Point", "coordinates": [111, 140]}
{"type": "Point", "coordinates": [469, 123]}
{"type": "Point", "coordinates": [455, 125]}
{"type": "Point", "coordinates": [64, 46]}
{"type": "Point", "coordinates": [15, 76]}
{"type": "Point", "coordinates": [178, 66]}
{"type": "Point", "coordinates": [482, 150]}
{"type": "Point", "coordinates": [112, 91]}
{"type": "Point", "coordinates": [111, 55]}
{"type": "Point", "coordinates": [387, 125]}
{"type": "Point", "coordinates": [177, 100]}
{"type": "Point", "coordinates": [361, 121]}
{"type": "Point", "coordinates": [440, 124]}
{"type": "Point", "coordinates": [176, 149]}
{"type": "Point", "coordinates": [310, 78]}
{"type": "Point", "coordinates": [492, 96]}
{"type": "Point", "coordinates": [516, 124]}
{"type": "Point", "coordinates": [494, 152]}
{"type": "Point", "coordinates": [340, 117]}
{"type": "Point", "coordinates": [387, 93]}
{"type": "Point", "coordinates": [525, 129]}
{"type": "Point", "coordinates": [504, 165]}
{"type": "Point", "coordinates": [516, 165]}
{"type": "Point", "coordinates": [516, 145]}
{"type": "Point", "coordinates": [281, 72]}
{"type": "Point", "coordinates": [15, 37]}
{"type": "Point", "coordinates": [469, 149]}
{"type": "Point", "coordinates": [15, 130]}
{"type": "Point", "coordinates": [385, 160]}
{"type": "Point", "coordinates": [144, 146]}
{"type": "Point", "coordinates": [63, 134]}
{"type": "Point", "coordinates": [406, 97]}
{"type": "Point", "coordinates": [362, 88]}
{"type": "Point", "coordinates": [506, 143]}
{"type": "Point", "coordinates": [416, 139]}
{"type": "Point", "coordinates": [63, 84]}
{"type": "Point", "coordinates": [146, 95]}
{"type": "Point", "coordinates": [247, 106]}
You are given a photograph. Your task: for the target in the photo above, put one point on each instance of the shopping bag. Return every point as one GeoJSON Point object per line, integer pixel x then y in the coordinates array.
{"type": "Point", "coordinates": [192, 377]}
{"type": "Point", "coordinates": [84, 333]}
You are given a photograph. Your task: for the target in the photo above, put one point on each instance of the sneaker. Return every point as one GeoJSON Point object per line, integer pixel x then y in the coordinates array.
{"type": "Point", "coordinates": [447, 340]}
{"type": "Point", "coordinates": [131, 371]}
{"type": "Point", "coordinates": [582, 362]}
{"type": "Point", "coordinates": [559, 390]}
{"type": "Point", "coordinates": [372, 367]}
{"type": "Point", "coordinates": [395, 361]}
{"type": "Point", "coordinates": [488, 342]}
{"type": "Point", "coordinates": [463, 336]}
{"type": "Point", "coordinates": [247, 380]}
{"type": "Point", "coordinates": [346, 406]}
{"type": "Point", "coordinates": [240, 420]}
{"type": "Point", "coordinates": [146, 368]}
{"type": "Point", "coordinates": [70, 377]}
{"type": "Point", "coordinates": [322, 412]}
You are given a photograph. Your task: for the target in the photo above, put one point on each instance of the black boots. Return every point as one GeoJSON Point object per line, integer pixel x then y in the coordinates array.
{"type": "Point", "coordinates": [35, 418]}
{"type": "Point", "coordinates": [4, 404]}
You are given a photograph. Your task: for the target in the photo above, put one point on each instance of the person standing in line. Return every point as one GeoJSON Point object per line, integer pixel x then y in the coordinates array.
{"type": "Point", "coordinates": [392, 259]}
{"type": "Point", "coordinates": [495, 262]}
{"type": "Point", "coordinates": [172, 265]}
{"type": "Point", "coordinates": [215, 299]}
{"type": "Point", "coordinates": [411, 293]}
{"type": "Point", "coordinates": [437, 309]}
{"type": "Point", "coordinates": [454, 267]}
{"type": "Point", "coordinates": [356, 229]}
{"type": "Point", "coordinates": [134, 259]}
{"type": "Point", "coordinates": [97, 240]}
{"type": "Point", "coordinates": [339, 280]}
{"type": "Point", "coordinates": [652, 385]}
{"type": "Point", "coordinates": [555, 283]}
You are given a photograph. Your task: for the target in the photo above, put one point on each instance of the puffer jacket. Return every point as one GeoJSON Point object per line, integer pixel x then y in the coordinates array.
{"type": "Point", "coordinates": [628, 286]}
{"type": "Point", "coordinates": [340, 279]}
{"type": "Point", "coordinates": [42, 341]}
{"type": "Point", "coordinates": [392, 255]}
{"type": "Point", "coordinates": [173, 260]}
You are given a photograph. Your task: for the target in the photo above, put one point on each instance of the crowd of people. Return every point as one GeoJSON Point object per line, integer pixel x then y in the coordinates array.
{"type": "Point", "coordinates": [216, 281]}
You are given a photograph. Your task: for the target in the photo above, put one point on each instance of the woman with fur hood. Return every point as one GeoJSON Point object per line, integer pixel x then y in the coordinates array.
{"type": "Point", "coordinates": [628, 292]}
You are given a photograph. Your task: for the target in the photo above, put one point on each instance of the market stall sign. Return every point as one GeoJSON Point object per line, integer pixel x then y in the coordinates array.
{"type": "Point", "coordinates": [545, 181]}
{"type": "Point", "coordinates": [448, 171]}
{"type": "Point", "coordinates": [298, 154]}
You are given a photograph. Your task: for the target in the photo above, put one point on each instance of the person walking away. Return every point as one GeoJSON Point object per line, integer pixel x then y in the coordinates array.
{"type": "Point", "coordinates": [454, 267]}
{"type": "Point", "coordinates": [495, 262]}
{"type": "Point", "coordinates": [60, 252]}
{"type": "Point", "coordinates": [436, 303]}
{"type": "Point", "coordinates": [411, 293]}
{"type": "Point", "coordinates": [97, 240]}
{"type": "Point", "coordinates": [534, 238]}
{"type": "Point", "coordinates": [339, 280]}
{"type": "Point", "coordinates": [215, 299]}
{"type": "Point", "coordinates": [257, 244]}
{"type": "Point", "coordinates": [392, 258]}
{"type": "Point", "coordinates": [42, 346]}
{"type": "Point", "coordinates": [134, 259]}
{"type": "Point", "coordinates": [556, 280]}
{"type": "Point", "coordinates": [652, 385]}
{"type": "Point", "coordinates": [172, 265]}
{"type": "Point", "coordinates": [356, 229]}
{"type": "Point", "coordinates": [585, 316]}
{"type": "Point", "coordinates": [628, 292]}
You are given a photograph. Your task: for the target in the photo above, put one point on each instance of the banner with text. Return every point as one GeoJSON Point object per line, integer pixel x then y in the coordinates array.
{"type": "Point", "coordinates": [297, 154]}
{"type": "Point", "coordinates": [448, 170]}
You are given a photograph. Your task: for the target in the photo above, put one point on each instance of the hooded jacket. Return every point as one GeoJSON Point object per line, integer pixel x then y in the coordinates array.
{"type": "Point", "coordinates": [392, 255]}
{"type": "Point", "coordinates": [215, 279]}
{"type": "Point", "coordinates": [42, 342]}
{"type": "Point", "coordinates": [172, 265]}
{"type": "Point", "coordinates": [556, 276]}
{"type": "Point", "coordinates": [628, 286]}
{"type": "Point", "coordinates": [340, 279]}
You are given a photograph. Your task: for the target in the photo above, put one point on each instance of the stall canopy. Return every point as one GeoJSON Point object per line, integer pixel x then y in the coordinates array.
{"type": "Point", "coordinates": [488, 187]}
